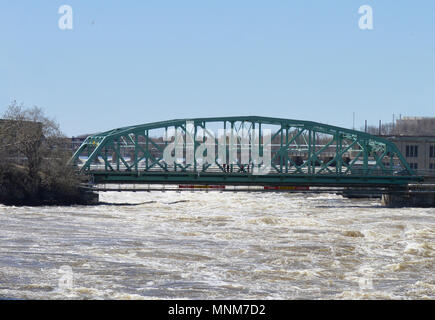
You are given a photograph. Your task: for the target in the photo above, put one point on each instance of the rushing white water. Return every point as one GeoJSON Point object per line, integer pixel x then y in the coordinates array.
{"type": "Point", "coordinates": [199, 245]}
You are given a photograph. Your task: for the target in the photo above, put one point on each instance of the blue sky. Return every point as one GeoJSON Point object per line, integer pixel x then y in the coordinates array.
{"type": "Point", "coordinates": [132, 62]}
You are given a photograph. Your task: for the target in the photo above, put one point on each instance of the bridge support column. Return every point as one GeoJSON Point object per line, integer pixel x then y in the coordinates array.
{"type": "Point", "coordinates": [416, 196]}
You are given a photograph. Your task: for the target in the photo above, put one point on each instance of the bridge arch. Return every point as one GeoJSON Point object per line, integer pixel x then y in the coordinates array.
{"type": "Point", "coordinates": [301, 153]}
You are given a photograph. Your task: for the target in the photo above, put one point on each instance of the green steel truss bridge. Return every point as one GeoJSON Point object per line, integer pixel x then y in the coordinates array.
{"type": "Point", "coordinates": [302, 153]}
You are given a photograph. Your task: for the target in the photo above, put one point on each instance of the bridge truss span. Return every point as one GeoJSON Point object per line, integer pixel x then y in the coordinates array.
{"type": "Point", "coordinates": [242, 151]}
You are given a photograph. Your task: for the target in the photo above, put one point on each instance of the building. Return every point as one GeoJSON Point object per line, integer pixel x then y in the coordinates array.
{"type": "Point", "coordinates": [419, 151]}
{"type": "Point", "coordinates": [76, 142]}
{"type": "Point", "coordinates": [16, 136]}
{"type": "Point", "coordinates": [415, 126]}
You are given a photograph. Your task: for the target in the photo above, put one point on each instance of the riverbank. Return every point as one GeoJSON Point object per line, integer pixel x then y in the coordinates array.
{"type": "Point", "coordinates": [18, 188]}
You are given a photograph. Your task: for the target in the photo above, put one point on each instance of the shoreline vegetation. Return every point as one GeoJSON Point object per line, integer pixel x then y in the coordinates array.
{"type": "Point", "coordinates": [33, 162]}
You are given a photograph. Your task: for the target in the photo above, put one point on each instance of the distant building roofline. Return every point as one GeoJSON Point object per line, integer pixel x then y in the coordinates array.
{"type": "Point", "coordinates": [405, 136]}
{"type": "Point", "coordinates": [409, 138]}
{"type": "Point", "coordinates": [415, 118]}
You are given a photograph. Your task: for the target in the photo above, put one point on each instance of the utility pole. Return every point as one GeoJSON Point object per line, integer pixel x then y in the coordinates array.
{"type": "Point", "coordinates": [353, 126]}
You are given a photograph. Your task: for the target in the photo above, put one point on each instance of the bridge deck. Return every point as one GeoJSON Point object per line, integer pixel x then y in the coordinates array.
{"type": "Point", "coordinates": [219, 178]}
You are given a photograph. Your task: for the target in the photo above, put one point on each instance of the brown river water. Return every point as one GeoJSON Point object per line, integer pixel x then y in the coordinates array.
{"type": "Point", "coordinates": [212, 245]}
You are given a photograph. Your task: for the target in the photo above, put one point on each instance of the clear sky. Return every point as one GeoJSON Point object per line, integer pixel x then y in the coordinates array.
{"type": "Point", "coordinates": [132, 62]}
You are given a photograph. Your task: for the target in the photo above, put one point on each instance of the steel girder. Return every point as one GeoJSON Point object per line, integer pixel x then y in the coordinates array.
{"type": "Point", "coordinates": [302, 152]}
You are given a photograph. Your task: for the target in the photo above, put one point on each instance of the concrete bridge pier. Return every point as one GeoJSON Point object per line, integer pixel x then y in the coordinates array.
{"type": "Point", "coordinates": [417, 196]}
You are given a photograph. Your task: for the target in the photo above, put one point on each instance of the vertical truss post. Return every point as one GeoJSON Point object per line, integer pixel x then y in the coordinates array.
{"type": "Point", "coordinates": [224, 161]}
{"type": "Point", "coordinates": [365, 157]}
{"type": "Point", "coordinates": [175, 148]}
{"type": "Point", "coordinates": [281, 163]}
{"type": "Point", "coordinates": [313, 161]}
{"type": "Point", "coordinates": [338, 148]}
{"type": "Point", "coordinates": [309, 151]}
{"type": "Point", "coordinates": [196, 145]}
{"type": "Point", "coordinates": [105, 158]}
{"type": "Point", "coordinates": [232, 148]}
{"type": "Point", "coordinates": [205, 138]}
{"type": "Point", "coordinates": [166, 144]}
{"type": "Point", "coordinates": [146, 149]}
{"type": "Point", "coordinates": [260, 142]}
{"type": "Point", "coordinates": [118, 153]}
{"type": "Point", "coordinates": [286, 153]}
{"type": "Point", "coordinates": [136, 160]}
{"type": "Point", "coordinates": [251, 159]}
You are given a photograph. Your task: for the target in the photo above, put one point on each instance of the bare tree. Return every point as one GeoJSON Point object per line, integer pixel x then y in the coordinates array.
{"type": "Point", "coordinates": [30, 134]}
{"type": "Point", "coordinates": [32, 143]}
{"type": "Point", "coordinates": [416, 126]}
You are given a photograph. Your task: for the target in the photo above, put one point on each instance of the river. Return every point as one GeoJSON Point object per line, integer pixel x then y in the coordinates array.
{"type": "Point", "coordinates": [212, 245]}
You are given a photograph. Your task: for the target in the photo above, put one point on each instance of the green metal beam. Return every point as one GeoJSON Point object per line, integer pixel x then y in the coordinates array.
{"type": "Point", "coordinates": [307, 134]}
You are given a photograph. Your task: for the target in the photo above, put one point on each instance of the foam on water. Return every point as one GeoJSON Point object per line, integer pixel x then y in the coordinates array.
{"type": "Point", "coordinates": [211, 245]}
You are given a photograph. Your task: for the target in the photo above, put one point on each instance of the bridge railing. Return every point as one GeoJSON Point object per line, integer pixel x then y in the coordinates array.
{"type": "Point", "coordinates": [248, 169]}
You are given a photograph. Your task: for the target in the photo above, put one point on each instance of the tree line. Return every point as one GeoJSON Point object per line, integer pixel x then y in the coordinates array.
{"type": "Point", "coordinates": [405, 127]}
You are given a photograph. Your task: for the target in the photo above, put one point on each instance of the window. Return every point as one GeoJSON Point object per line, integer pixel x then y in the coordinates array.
{"type": "Point", "coordinates": [431, 166]}
{"type": "Point", "coordinates": [411, 151]}
{"type": "Point", "coordinates": [432, 152]}
{"type": "Point", "coordinates": [413, 166]}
